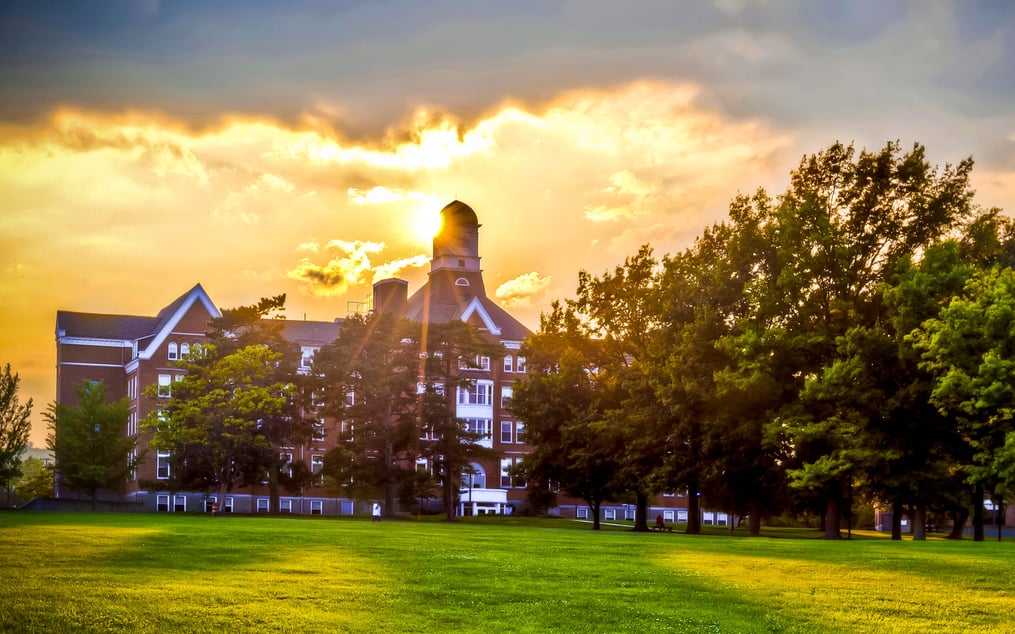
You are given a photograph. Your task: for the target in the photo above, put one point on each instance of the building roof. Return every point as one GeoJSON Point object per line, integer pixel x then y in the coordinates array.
{"type": "Point", "coordinates": [459, 214]}
{"type": "Point", "coordinates": [311, 333]}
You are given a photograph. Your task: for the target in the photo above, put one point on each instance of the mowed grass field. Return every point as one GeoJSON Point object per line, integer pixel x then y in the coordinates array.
{"type": "Point", "coordinates": [166, 573]}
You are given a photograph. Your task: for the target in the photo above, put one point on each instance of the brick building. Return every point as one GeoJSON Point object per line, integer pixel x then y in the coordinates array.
{"type": "Point", "coordinates": [130, 353]}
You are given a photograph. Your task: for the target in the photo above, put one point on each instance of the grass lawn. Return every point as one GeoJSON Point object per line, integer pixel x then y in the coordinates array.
{"type": "Point", "coordinates": [62, 572]}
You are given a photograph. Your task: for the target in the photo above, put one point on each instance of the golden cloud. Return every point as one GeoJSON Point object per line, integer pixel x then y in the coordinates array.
{"type": "Point", "coordinates": [522, 289]}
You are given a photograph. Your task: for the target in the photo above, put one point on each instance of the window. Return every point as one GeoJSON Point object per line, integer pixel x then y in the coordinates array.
{"type": "Point", "coordinates": [179, 503]}
{"type": "Point", "coordinates": [629, 514]}
{"type": "Point", "coordinates": [520, 433]}
{"type": "Point", "coordinates": [509, 363]}
{"type": "Point", "coordinates": [162, 465]}
{"type": "Point", "coordinates": [229, 505]}
{"type": "Point", "coordinates": [610, 514]}
{"type": "Point", "coordinates": [285, 506]}
{"type": "Point", "coordinates": [162, 503]}
{"type": "Point", "coordinates": [582, 512]}
{"type": "Point", "coordinates": [505, 397]}
{"type": "Point", "coordinates": [668, 516]}
{"type": "Point", "coordinates": [506, 427]}
{"type": "Point", "coordinates": [184, 350]}
{"type": "Point", "coordinates": [165, 386]}
{"type": "Point", "coordinates": [521, 365]}
{"type": "Point", "coordinates": [316, 465]}
{"type": "Point", "coordinates": [132, 476]}
{"type": "Point", "coordinates": [483, 363]}
{"type": "Point", "coordinates": [506, 480]}
{"type": "Point", "coordinates": [480, 426]}
{"type": "Point", "coordinates": [316, 507]}
{"type": "Point", "coordinates": [319, 431]}
{"type": "Point", "coordinates": [478, 393]}
{"type": "Point", "coordinates": [262, 505]}
{"type": "Point", "coordinates": [173, 353]}
{"type": "Point", "coordinates": [682, 515]}
{"type": "Point", "coordinates": [461, 281]}
{"type": "Point", "coordinates": [287, 464]}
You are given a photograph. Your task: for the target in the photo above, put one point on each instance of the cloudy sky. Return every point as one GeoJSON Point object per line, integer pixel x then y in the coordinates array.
{"type": "Point", "coordinates": [303, 148]}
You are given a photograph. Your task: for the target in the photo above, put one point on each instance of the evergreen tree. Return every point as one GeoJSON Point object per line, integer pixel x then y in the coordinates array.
{"type": "Point", "coordinates": [92, 449]}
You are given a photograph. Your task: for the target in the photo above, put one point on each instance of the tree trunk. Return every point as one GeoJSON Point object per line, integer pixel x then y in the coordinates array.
{"type": "Point", "coordinates": [641, 512]}
{"type": "Point", "coordinates": [978, 513]}
{"type": "Point", "coordinates": [896, 520]}
{"type": "Point", "coordinates": [920, 522]}
{"type": "Point", "coordinates": [274, 497]}
{"type": "Point", "coordinates": [221, 499]}
{"type": "Point", "coordinates": [753, 518]}
{"type": "Point", "coordinates": [832, 517]}
{"type": "Point", "coordinates": [594, 507]}
{"type": "Point", "coordinates": [958, 523]}
{"type": "Point", "coordinates": [693, 510]}
{"type": "Point", "coordinates": [450, 508]}
{"type": "Point", "coordinates": [389, 484]}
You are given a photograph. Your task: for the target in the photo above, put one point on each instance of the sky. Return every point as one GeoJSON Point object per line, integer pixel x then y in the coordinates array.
{"type": "Point", "coordinates": [305, 148]}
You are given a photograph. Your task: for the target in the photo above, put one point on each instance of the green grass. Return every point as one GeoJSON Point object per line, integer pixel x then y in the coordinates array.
{"type": "Point", "coordinates": [157, 573]}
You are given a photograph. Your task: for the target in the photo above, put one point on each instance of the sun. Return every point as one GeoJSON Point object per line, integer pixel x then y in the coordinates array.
{"type": "Point", "coordinates": [426, 223]}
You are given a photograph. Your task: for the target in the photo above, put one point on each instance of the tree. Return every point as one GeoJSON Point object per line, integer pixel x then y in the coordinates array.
{"type": "Point", "coordinates": [838, 231]}
{"type": "Point", "coordinates": [214, 421]}
{"type": "Point", "coordinates": [565, 399]}
{"type": "Point", "coordinates": [15, 425]}
{"type": "Point", "coordinates": [92, 449]}
{"type": "Point", "coordinates": [36, 480]}
{"type": "Point", "coordinates": [618, 311]}
{"type": "Point", "coordinates": [451, 349]}
{"type": "Point", "coordinates": [970, 349]}
{"type": "Point", "coordinates": [368, 383]}
{"type": "Point", "coordinates": [262, 324]}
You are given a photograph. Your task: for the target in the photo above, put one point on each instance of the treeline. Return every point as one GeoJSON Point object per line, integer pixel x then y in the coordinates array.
{"type": "Point", "coordinates": [851, 339]}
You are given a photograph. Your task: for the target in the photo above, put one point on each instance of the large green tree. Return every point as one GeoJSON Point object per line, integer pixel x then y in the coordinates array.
{"type": "Point", "coordinates": [368, 384]}
{"type": "Point", "coordinates": [451, 352]}
{"type": "Point", "coordinates": [565, 400]}
{"type": "Point", "coordinates": [847, 218]}
{"type": "Point", "coordinates": [970, 349]}
{"type": "Point", "coordinates": [15, 425]}
{"type": "Point", "coordinates": [214, 421]}
{"type": "Point", "coordinates": [92, 449]}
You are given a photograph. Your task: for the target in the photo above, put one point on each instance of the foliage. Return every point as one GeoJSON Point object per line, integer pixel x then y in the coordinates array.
{"type": "Point", "coordinates": [92, 449]}
{"type": "Point", "coordinates": [15, 425]}
{"type": "Point", "coordinates": [251, 574]}
{"type": "Point", "coordinates": [212, 422]}
{"type": "Point", "coordinates": [36, 480]}
{"type": "Point", "coordinates": [367, 382]}
{"type": "Point", "coordinates": [452, 349]}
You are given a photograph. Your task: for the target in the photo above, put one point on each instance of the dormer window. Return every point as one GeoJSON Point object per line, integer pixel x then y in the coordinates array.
{"type": "Point", "coordinates": [461, 282]}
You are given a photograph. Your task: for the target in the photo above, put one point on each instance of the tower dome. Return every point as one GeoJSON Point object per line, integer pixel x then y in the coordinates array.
{"type": "Point", "coordinates": [456, 245]}
{"type": "Point", "coordinates": [458, 214]}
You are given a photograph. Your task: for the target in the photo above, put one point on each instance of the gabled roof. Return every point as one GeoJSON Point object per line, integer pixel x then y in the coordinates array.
{"type": "Point", "coordinates": [497, 321]}
{"type": "Point", "coordinates": [171, 315]}
{"type": "Point", "coordinates": [130, 328]}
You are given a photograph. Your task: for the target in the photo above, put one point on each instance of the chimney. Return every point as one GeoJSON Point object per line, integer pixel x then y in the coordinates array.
{"type": "Point", "coordinates": [390, 296]}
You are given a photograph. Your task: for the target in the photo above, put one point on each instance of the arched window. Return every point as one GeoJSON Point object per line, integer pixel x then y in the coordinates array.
{"type": "Point", "coordinates": [476, 479]}
{"type": "Point", "coordinates": [461, 282]}
{"type": "Point", "coordinates": [184, 350]}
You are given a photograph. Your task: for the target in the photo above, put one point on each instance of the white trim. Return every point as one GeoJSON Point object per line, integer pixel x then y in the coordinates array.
{"type": "Point", "coordinates": [101, 343]}
{"type": "Point", "coordinates": [511, 344]}
{"type": "Point", "coordinates": [197, 294]}
{"type": "Point", "coordinates": [476, 306]}
{"type": "Point", "coordinates": [92, 365]}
